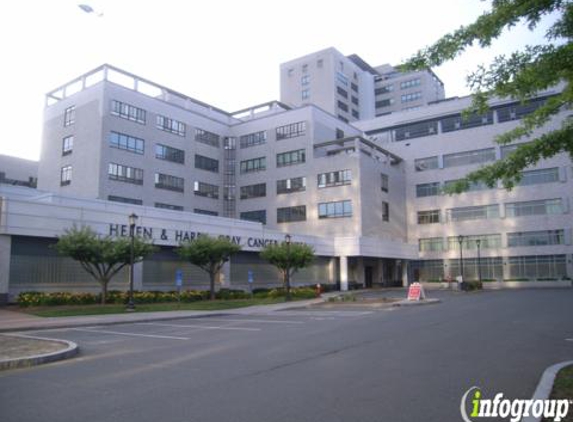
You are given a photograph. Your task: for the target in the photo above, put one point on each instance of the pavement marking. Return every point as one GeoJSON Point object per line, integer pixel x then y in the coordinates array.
{"type": "Point", "coordinates": [265, 321]}
{"type": "Point", "coordinates": [120, 333]}
{"type": "Point", "coordinates": [201, 327]}
{"type": "Point", "coordinates": [569, 339]}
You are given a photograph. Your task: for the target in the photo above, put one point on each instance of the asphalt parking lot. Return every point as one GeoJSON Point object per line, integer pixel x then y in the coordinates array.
{"type": "Point", "coordinates": [301, 365]}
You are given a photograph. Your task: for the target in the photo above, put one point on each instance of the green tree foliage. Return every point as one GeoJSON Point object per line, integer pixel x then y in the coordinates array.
{"type": "Point", "coordinates": [101, 257]}
{"type": "Point", "coordinates": [518, 76]}
{"type": "Point", "coordinates": [288, 259]}
{"type": "Point", "coordinates": [209, 254]}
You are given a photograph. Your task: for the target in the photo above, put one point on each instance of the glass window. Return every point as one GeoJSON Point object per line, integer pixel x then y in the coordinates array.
{"type": "Point", "coordinates": [536, 238]}
{"type": "Point", "coordinates": [335, 209]}
{"type": "Point", "coordinates": [384, 182]}
{"type": "Point", "coordinates": [170, 125]}
{"type": "Point", "coordinates": [165, 181]}
{"type": "Point", "coordinates": [163, 152]}
{"type": "Point", "coordinates": [473, 187]}
{"type": "Point", "coordinates": [416, 130]}
{"type": "Point", "coordinates": [410, 83]}
{"type": "Point", "coordinates": [291, 214]}
{"type": "Point", "coordinates": [128, 112]}
{"type": "Point", "coordinates": [66, 176]}
{"type": "Point", "coordinates": [537, 267]}
{"type": "Point", "coordinates": [486, 241]}
{"type": "Point", "coordinates": [254, 191]}
{"type": "Point", "coordinates": [253, 139]}
{"type": "Point", "coordinates": [126, 143]}
{"type": "Point", "coordinates": [541, 207]}
{"type": "Point", "coordinates": [342, 92]}
{"type": "Point", "coordinates": [67, 145]}
{"type": "Point", "coordinates": [206, 190]}
{"type": "Point", "coordinates": [385, 211]}
{"type": "Point", "coordinates": [517, 111]}
{"type": "Point", "coordinates": [205, 212]}
{"type": "Point", "coordinates": [428, 163]}
{"type": "Point", "coordinates": [428, 189]}
{"type": "Point", "coordinates": [168, 206]}
{"type": "Point", "coordinates": [541, 176]}
{"type": "Point", "coordinates": [480, 212]}
{"type": "Point", "coordinates": [335, 178]}
{"type": "Point", "coordinates": [207, 138]}
{"type": "Point", "coordinates": [70, 116]}
{"type": "Point", "coordinates": [295, 184]}
{"type": "Point", "coordinates": [406, 98]}
{"type": "Point", "coordinates": [431, 244]}
{"type": "Point", "coordinates": [457, 122]}
{"type": "Point", "coordinates": [124, 200]}
{"type": "Point", "coordinates": [254, 164]}
{"type": "Point", "coordinates": [469, 157]}
{"type": "Point", "coordinates": [206, 163]}
{"type": "Point", "coordinates": [126, 174]}
{"type": "Point", "coordinates": [291, 131]}
{"type": "Point", "coordinates": [259, 216]}
{"type": "Point", "coordinates": [429, 217]}
{"type": "Point", "coordinates": [290, 158]}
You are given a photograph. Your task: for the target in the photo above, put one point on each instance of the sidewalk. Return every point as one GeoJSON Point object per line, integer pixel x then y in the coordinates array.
{"type": "Point", "coordinates": [11, 321]}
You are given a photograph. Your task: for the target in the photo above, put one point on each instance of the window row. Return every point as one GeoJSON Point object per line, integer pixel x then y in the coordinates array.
{"type": "Point", "coordinates": [486, 212]}
{"type": "Point", "coordinates": [528, 178]}
{"type": "Point", "coordinates": [457, 121]}
{"type": "Point", "coordinates": [520, 268]}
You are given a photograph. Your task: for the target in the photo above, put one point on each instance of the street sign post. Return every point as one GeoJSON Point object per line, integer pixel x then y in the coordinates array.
{"type": "Point", "coordinates": [250, 279]}
{"type": "Point", "coordinates": [179, 283]}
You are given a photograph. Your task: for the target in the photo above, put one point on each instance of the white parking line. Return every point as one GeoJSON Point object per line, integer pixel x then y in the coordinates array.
{"type": "Point", "coordinates": [120, 333]}
{"type": "Point", "coordinates": [569, 339]}
{"type": "Point", "coordinates": [200, 327]}
{"type": "Point", "coordinates": [263, 321]}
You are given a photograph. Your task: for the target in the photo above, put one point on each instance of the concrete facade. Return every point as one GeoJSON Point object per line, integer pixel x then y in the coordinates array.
{"type": "Point", "coordinates": [18, 171]}
{"type": "Point", "coordinates": [351, 89]}
{"type": "Point", "coordinates": [366, 195]}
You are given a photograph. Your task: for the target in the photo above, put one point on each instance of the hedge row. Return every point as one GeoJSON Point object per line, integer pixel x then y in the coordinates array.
{"type": "Point", "coordinates": [26, 299]}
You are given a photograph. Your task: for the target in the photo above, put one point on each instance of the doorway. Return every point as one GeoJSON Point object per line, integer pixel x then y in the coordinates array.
{"type": "Point", "coordinates": [368, 277]}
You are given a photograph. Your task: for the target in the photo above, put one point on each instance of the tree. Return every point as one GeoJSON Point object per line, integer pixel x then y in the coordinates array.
{"type": "Point", "coordinates": [518, 76]}
{"type": "Point", "coordinates": [101, 257]}
{"type": "Point", "coordinates": [288, 258]}
{"type": "Point", "coordinates": [209, 254]}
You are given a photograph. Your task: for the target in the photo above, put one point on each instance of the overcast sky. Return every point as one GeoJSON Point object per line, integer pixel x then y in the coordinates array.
{"type": "Point", "coordinates": [225, 53]}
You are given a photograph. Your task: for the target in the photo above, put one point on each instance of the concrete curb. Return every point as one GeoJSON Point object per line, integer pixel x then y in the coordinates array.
{"type": "Point", "coordinates": [416, 302]}
{"type": "Point", "coordinates": [111, 319]}
{"type": "Point", "coordinates": [543, 390]}
{"type": "Point", "coordinates": [71, 349]}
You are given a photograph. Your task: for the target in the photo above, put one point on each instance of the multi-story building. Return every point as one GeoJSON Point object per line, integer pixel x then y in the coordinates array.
{"type": "Point", "coordinates": [516, 235]}
{"type": "Point", "coordinates": [18, 171]}
{"type": "Point", "coordinates": [351, 89]}
{"type": "Point", "coordinates": [367, 194]}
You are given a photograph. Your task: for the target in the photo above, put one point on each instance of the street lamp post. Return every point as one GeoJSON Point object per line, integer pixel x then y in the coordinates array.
{"type": "Point", "coordinates": [461, 242]}
{"type": "Point", "coordinates": [132, 222]}
{"type": "Point", "coordinates": [478, 244]}
{"type": "Point", "coordinates": [287, 275]}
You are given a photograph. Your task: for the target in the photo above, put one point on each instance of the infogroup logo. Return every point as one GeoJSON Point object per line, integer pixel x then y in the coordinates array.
{"type": "Point", "coordinates": [515, 410]}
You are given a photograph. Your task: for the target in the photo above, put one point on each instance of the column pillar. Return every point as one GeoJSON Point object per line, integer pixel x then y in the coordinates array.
{"type": "Point", "coordinates": [405, 273]}
{"type": "Point", "coordinates": [138, 276]}
{"type": "Point", "coordinates": [505, 268]}
{"type": "Point", "coordinates": [5, 252]}
{"type": "Point", "coordinates": [225, 275]}
{"type": "Point", "coordinates": [344, 273]}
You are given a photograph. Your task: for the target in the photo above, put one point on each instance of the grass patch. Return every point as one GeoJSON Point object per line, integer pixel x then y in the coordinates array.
{"type": "Point", "coordinates": [80, 310]}
{"type": "Point", "coordinates": [563, 389]}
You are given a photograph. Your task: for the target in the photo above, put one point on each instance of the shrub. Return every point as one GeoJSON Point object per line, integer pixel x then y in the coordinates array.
{"type": "Point", "coordinates": [473, 285]}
